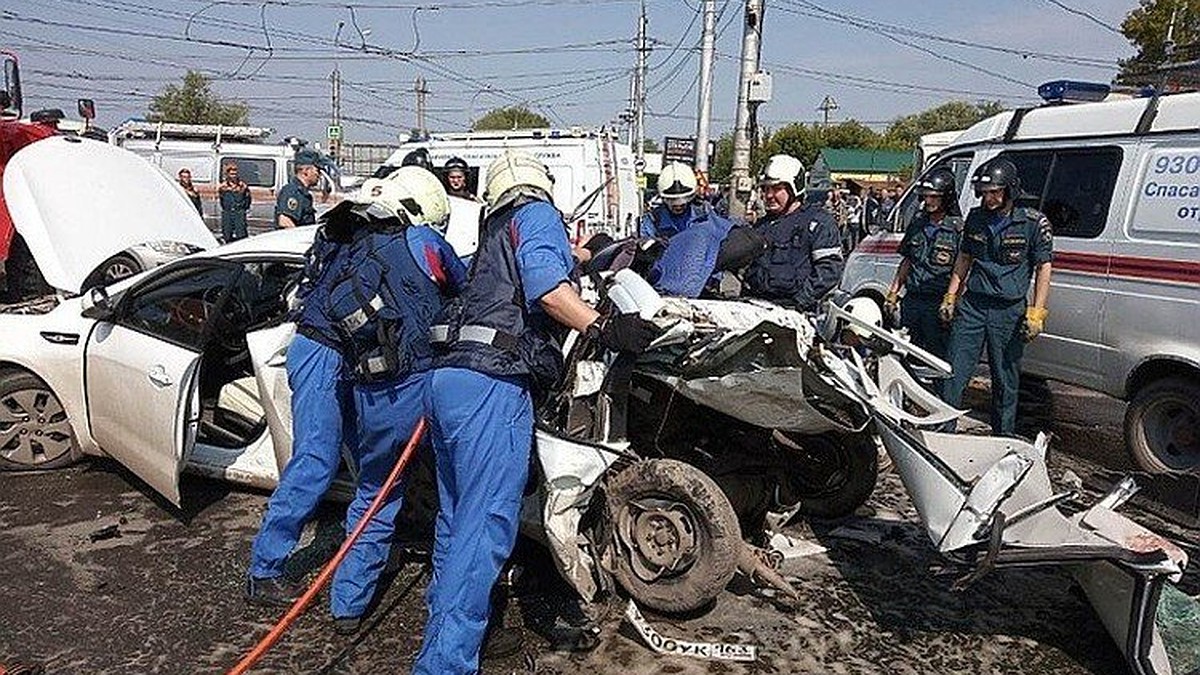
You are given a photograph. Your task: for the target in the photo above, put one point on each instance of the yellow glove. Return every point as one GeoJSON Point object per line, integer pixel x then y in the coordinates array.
{"type": "Point", "coordinates": [946, 311]}
{"type": "Point", "coordinates": [891, 307]}
{"type": "Point", "coordinates": [1035, 322]}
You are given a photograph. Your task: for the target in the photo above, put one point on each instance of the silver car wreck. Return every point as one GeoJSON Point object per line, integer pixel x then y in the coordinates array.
{"type": "Point", "coordinates": [610, 506]}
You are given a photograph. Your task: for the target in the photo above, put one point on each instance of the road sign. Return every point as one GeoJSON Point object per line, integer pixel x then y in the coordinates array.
{"type": "Point", "coordinates": [679, 149]}
{"type": "Point", "coordinates": [333, 132]}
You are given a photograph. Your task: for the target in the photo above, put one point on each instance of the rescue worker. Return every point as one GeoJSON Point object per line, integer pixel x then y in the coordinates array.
{"type": "Point", "coordinates": [927, 255]}
{"type": "Point", "coordinates": [418, 157]}
{"type": "Point", "coordinates": [679, 208]}
{"type": "Point", "coordinates": [803, 260]}
{"type": "Point", "coordinates": [185, 182]}
{"type": "Point", "coordinates": [1003, 247]}
{"type": "Point", "coordinates": [294, 205]}
{"type": "Point", "coordinates": [456, 179]}
{"type": "Point", "coordinates": [495, 347]}
{"type": "Point", "coordinates": [399, 273]}
{"type": "Point", "coordinates": [694, 233]}
{"type": "Point", "coordinates": [234, 195]}
{"type": "Point", "coordinates": [322, 419]}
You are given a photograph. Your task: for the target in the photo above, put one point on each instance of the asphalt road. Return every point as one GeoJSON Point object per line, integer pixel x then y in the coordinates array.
{"type": "Point", "coordinates": [97, 575]}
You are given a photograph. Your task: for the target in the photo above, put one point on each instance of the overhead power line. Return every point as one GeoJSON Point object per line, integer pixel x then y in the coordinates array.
{"type": "Point", "coordinates": [1087, 15]}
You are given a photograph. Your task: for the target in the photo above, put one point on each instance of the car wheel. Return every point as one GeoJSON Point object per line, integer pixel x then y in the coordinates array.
{"type": "Point", "coordinates": [34, 430]}
{"type": "Point", "coordinates": [114, 269]}
{"type": "Point", "coordinates": [1162, 425]}
{"type": "Point", "coordinates": [830, 475]}
{"type": "Point", "coordinates": [675, 534]}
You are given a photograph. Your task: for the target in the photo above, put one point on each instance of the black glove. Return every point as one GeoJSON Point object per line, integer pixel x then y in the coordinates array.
{"type": "Point", "coordinates": [624, 332]}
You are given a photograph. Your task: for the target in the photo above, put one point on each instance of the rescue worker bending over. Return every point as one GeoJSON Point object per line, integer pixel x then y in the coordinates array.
{"type": "Point", "coordinates": [494, 348]}
{"type": "Point", "coordinates": [679, 208]}
{"type": "Point", "coordinates": [399, 272]}
{"type": "Point", "coordinates": [803, 259]}
{"type": "Point", "coordinates": [1003, 246]}
{"type": "Point", "coordinates": [322, 419]}
{"type": "Point", "coordinates": [456, 179]}
{"type": "Point", "coordinates": [927, 255]}
{"type": "Point", "coordinates": [694, 233]}
{"type": "Point", "coordinates": [294, 205]}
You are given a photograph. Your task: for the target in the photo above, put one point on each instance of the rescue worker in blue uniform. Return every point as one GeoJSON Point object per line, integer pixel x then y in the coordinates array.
{"type": "Point", "coordinates": [397, 277]}
{"type": "Point", "coordinates": [322, 419]}
{"type": "Point", "coordinates": [803, 259]}
{"type": "Point", "coordinates": [928, 252]}
{"type": "Point", "coordinates": [1003, 247]}
{"type": "Point", "coordinates": [692, 231]}
{"type": "Point", "coordinates": [495, 347]}
{"type": "Point", "coordinates": [294, 204]}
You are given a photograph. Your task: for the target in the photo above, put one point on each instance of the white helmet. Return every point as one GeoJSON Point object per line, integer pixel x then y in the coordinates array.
{"type": "Point", "coordinates": [783, 169]}
{"type": "Point", "coordinates": [422, 196]}
{"type": "Point", "coordinates": [514, 174]}
{"type": "Point", "coordinates": [865, 310]}
{"type": "Point", "coordinates": [677, 183]}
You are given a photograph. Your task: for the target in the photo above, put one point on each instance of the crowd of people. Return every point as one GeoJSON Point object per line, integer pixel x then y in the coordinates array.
{"type": "Point", "coordinates": [391, 327]}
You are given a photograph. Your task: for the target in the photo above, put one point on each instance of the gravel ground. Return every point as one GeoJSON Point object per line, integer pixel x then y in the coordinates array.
{"type": "Point", "coordinates": [164, 595]}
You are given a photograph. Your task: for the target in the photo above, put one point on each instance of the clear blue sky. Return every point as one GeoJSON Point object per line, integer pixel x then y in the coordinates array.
{"type": "Point", "coordinates": [569, 59]}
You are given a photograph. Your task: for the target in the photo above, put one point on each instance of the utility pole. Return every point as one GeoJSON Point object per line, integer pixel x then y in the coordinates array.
{"type": "Point", "coordinates": [704, 114]}
{"type": "Point", "coordinates": [421, 90]}
{"type": "Point", "coordinates": [335, 120]}
{"type": "Point", "coordinates": [827, 106]}
{"type": "Point", "coordinates": [639, 100]}
{"type": "Point", "coordinates": [740, 182]}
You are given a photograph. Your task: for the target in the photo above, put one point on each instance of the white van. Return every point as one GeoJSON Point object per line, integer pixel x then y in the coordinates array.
{"type": "Point", "coordinates": [204, 149]}
{"type": "Point", "coordinates": [1120, 182]}
{"type": "Point", "coordinates": [595, 184]}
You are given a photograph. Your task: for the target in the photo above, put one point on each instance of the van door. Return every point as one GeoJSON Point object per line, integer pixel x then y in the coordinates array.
{"type": "Point", "coordinates": [1074, 187]}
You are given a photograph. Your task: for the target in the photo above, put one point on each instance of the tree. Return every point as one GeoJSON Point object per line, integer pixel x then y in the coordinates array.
{"type": "Point", "coordinates": [193, 102]}
{"type": "Point", "coordinates": [805, 142]}
{"type": "Point", "coordinates": [1146, 27]}
{"type": "Point", "coordinates": [510, 119]}
{"type": "Point", "coordinates": [904, 132]}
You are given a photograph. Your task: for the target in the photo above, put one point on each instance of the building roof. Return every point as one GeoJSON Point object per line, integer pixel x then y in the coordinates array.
{"type": "Point", "coordinates": [859, 160]}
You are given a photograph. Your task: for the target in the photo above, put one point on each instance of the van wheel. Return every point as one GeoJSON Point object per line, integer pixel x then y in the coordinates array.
{"type": "Point", "coordinates": [1162, 425]}
{"type": "Point", "coordinates": [34, 430]}
{"type": "Point", "coordinates": [676, 537]}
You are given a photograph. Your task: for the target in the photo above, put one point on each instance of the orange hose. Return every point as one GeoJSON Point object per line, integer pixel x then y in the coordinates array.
{"type": "Point", "coordinates": [305, 600]}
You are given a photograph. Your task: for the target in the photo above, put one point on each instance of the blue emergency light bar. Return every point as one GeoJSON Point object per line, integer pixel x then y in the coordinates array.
{"type": "Point", "coordinates": [1071, 91]}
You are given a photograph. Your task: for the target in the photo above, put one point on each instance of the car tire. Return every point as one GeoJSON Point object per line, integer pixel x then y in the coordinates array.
{"type": "Point", "coordinates": [1162, 425]}
{"type": "Point", "coordinates": [833, 477]}
{"type": "Point", "coordinates": [116, 268]}
{"type": "Point", "coordinates": [676, 538]}
{"type": "Point", "coordinates": [34, 430]}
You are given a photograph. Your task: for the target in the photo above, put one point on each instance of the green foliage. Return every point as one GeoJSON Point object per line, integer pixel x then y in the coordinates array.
{"type": "Point", "coordinates": [193, 102]}
{"type": "Point", "coordinates": [1146, 27]}
{"type": "Point", "coordinates": [510, 119]}
{"type": "Point", "coordinates": [805, 142]}
{"type": "Point", "coordinates": [721, 163]}
{"type": "Point", "coordinates": [903, 133]}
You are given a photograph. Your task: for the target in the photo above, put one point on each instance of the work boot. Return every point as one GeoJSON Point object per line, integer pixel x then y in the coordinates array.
{"type": "Point", "coordinates": [346, 625]}
{"type": "Point", "coordinates": [273, 592]}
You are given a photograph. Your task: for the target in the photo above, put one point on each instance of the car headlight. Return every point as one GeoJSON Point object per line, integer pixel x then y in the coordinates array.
{"type": "Point", "coordinates": [176, 248]}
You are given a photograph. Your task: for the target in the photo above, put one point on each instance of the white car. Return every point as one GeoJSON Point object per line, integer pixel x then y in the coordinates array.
{"type": "Point", "coordinates": [161, 370]}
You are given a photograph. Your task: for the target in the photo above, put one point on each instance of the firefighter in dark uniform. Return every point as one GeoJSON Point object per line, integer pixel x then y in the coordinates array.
{"type": "Point", "coordinates": [928, 251]}
{"type": "Point", "coordinates": [1004, 246]}
{"type": "Point", "coordinates": [803, 258]}
{"type": "Point", "coordinates": [294, 204]}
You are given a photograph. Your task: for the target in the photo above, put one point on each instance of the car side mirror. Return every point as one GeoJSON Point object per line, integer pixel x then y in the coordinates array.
{"type": "Point", "coordinates": [98, 305]}
{"type": "Point", "coordinates": [87, 109]}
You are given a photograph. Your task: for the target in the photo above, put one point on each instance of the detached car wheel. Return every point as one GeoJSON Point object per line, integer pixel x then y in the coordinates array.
{"type": "Point", "coordinates": [676, 536]}
{"type": "Point", "coordinates": [829, 475]}
{"type": "Point", "coordinates": [34, 430]}
{"type": "Point", "coordinates": [1162, 425]}
{"type": "Point", "coordinates": [112, 270]}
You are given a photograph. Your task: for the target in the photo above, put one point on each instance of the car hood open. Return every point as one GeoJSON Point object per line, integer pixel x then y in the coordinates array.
{"type": "Point", "coordinates": [78, 202]}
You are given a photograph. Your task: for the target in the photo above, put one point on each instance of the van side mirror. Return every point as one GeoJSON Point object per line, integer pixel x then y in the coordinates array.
{"type": "Point", "coordinates": [98, 305]}
{"type": "Point", "coordinates": [12, 87]}
{"type": "Point", "coordinates": [87, 109]}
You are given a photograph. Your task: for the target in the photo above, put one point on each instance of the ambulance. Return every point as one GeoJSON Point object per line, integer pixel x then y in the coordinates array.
{"type": "Point", "coordinates": [1120, 182]}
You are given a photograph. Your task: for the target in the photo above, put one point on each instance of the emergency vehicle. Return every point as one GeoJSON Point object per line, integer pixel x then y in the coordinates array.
{"type": "Point", "coordinates": [1120, 182]}
{"type": "Point", "coordinates": [205, 149]}
{"type": "Point", "coordinates": [595, 182]}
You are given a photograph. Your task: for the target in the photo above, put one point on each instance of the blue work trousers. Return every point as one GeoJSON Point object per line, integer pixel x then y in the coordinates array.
{"type": "Point", "coordinates": [387, 416]}
{"type": "Point", "coordinates": [233, 225]}
{"type": "Point", "coordinates": [322, 419]}
{"type": "Point", "coordinates": [997, 323]}
{"type": "Point", "coordinates": [482, 432]}
{"type": "Point", "coordinates": [919, 314]}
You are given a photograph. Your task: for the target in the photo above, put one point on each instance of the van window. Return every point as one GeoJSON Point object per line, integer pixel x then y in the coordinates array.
{"type": "Point", "coordinates": [907, 208]}
{"type": "Point", "coordinates": [254, 171]}
{"type": "Point", "coordinates": [1073, 187]}
{"type": "Point", "coordinates": [200, 166]}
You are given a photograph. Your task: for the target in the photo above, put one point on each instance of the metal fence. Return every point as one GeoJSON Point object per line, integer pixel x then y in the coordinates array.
{"type": "Point", "coordinates": [361, 159]}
